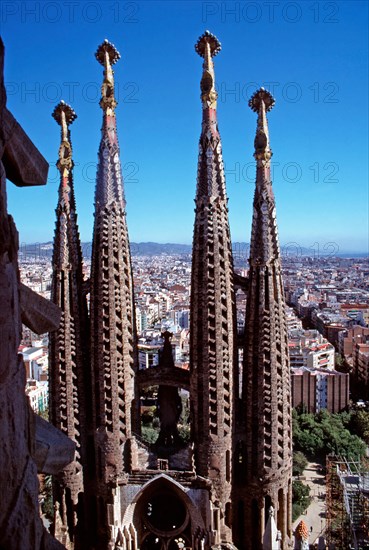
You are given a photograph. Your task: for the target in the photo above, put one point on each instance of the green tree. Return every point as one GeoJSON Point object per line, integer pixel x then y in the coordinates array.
{"type": "Point", "coordinates": [44, 414]}
{"type": "Point", "coordinates": [340, 363]}
{"type": "Point", "coordinates": [323, 433]}
{"type": "Point", "coordinates": [149, 435]}
{"type": "Point", "coordinates": [47, 501]}
{"type": "Point", "coordinates": [299, 463]}
{"type": "Point", "coordinates": [300, 491]}
{"type": "Point", "coordinates": [360, 424]}
{"type": "Point", "coordinates": [300, 498]}
{"type": "Point", "coordinates": [184, 428]}
{"type": "Point", "coordinates": [147, 416]}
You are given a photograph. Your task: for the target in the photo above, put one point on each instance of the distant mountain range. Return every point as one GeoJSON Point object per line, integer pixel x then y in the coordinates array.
{"type": "Point", "coordinates": [240, 250]}
{"type": "Point", "coordinates": [156, 249]}
{"type": "Point", "coordinates": [45, 250]}
{"type": "Point", "coordinates": [137, 249]}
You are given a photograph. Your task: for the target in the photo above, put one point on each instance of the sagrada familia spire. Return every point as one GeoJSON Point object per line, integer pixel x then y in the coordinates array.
{"type": "Point", "coordinates": [263, 433]}
{"type": "Point", "coordinates": [29, 445]}
{"type": "Point", "coordinates": [112, 314]}
{"type": "Point", "coordinates": [212, 330]}
{"type": "Point", "coordinates": [231, 484]}
{"type": "Point", "coordinates": [69, 344]}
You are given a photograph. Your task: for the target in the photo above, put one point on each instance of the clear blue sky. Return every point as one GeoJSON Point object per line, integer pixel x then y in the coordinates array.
{"type": "Point", "coordinates": [312, 55]}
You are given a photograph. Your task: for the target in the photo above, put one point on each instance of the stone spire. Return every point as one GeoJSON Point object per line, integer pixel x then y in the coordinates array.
{"type": "Point", "coordinates": [109, 186]}
{"type": "Point", "coordinates": [272, 536]}
{"type": "Point", "coordinates": [302, 536]}
{"type": "Point", "coordinates": [263, 449]}
{"type": "Point", "coordinates": [113, 330]}
{"type": "Point", "coordinates": [212, 330]}
{"type": "Point", "coordinates": [29, 444]}
{"type": "Point", "coordinates": [67, 352]}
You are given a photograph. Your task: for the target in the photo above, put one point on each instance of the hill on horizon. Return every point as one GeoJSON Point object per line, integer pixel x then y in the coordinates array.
{"type": "Point", "coordinates": [240, 250]}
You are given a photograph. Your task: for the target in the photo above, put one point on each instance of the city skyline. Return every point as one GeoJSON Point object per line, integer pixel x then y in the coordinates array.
{"type": "Point", "coordinates": [312, 57]}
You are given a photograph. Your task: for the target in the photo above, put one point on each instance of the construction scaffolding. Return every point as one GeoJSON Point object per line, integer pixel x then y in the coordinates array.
{"type": "Point", "coordinates": [347, 500]}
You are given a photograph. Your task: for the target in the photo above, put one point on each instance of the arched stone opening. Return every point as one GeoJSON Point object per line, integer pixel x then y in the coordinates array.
{"type": "Point", "coordinates": [281, 517]}
{"type": "Point", "coordinates": [267, 504]}
{"type": "Point", "coordinates": [165, 517]}
{"type": "Point", "coordinates": [162, 385]}
{"type": "Point", "coordinates": [163, 512]}
{"type": "Point", "coordinates": [255, 524]}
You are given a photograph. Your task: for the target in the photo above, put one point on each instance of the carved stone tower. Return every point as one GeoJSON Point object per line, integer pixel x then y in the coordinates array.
{"type": "Point", "coordinates": [212, 331]}
{"type": "Point", "coordinates": [29, 444]}
{"type": "Point", "coordinates": [231, 483]}
{"type": "Point", "coordinates": [263, 456]}
{"type": "Point", "coordinates": [68, 345]}
{"type": "Point", "coordinates": [112, 319]}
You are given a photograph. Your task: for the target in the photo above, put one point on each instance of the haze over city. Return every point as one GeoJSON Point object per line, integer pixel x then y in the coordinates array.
{"type": "Point", "coordinates": [312, 57]}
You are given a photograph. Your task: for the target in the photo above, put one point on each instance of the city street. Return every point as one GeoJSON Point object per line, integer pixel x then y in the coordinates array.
{"type": "Point", "coordinates": [314, 517]}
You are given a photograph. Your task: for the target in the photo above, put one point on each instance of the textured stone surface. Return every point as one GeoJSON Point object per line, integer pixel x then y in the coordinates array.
{"type": "Point", "coordinates": [20, 524]}
{"type": "Point", "coordinates": [53, 450]}
{"type": "Point", "coordinates": [24, 164]}
{"type": "Point", "coordinates": [263, 451]}
{"type": "Point", "coordinates": [212, 330]}
{"type": "Point", "coordinates": [112, 313]}
{"type": "Point", "coordinates": [68, 346]}
{"type": "Point", "coordinates": [238, 464]}
{"type": "Point", "coordinates": [39, 314]}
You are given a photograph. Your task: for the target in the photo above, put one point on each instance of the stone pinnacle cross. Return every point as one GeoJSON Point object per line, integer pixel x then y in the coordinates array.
{"type": "Point", "coordinates": [64, 116]}
{"type": "Point", "coordinates": [107, 55]}
{"type": "Point", "coordinates": [262, 102]}
{"type": "Point", "coordinates": [208, 46]}
{"type": "Point", "coordinates": [109, 188]}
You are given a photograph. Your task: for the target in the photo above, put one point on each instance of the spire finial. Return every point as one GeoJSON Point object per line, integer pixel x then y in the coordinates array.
{"type": "Point", "coordinates": [261, 95]}
{"type": "Point", "coordinates": [261, 102]}
{"type": "Point", "coordinates": [208, 39]}
{"type": "Point", "coordinates": [64, 116]}
{"type": "Point", "coordinates": [208, 46]}
{"type": "Point", "coordinates": [107, 55]}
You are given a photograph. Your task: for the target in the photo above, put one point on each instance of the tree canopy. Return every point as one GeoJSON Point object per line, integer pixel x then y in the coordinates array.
{"type": "Point", "coordinates": [323, 433]}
